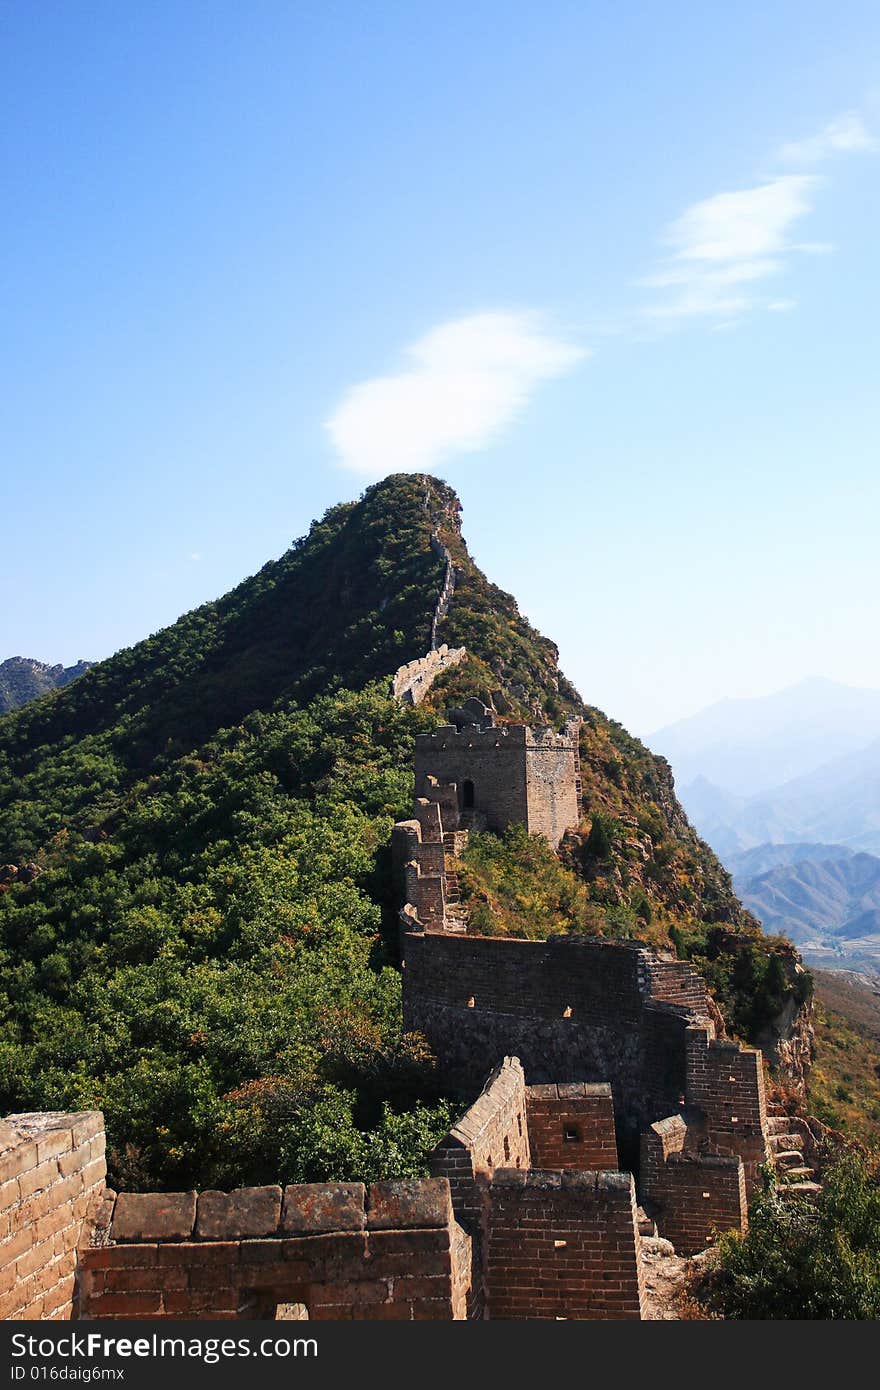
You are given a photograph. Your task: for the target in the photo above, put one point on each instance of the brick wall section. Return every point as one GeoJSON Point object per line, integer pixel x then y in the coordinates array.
{"type": "Point", "coordinates": [563, 1245]}
{"type": "Point", "coordinates": [411, 683]}
{"type": "Point", "coordinates": [571, 1125]}
{"type": "Point", "coordinates": [492, 1134]}
{"type": "Point", "coordinates": [392, 1251]}
{"type": "Point", "coordinates": [726, 1081]}
{"type": "Point", "coordinates": [691, 1196]}
{"type": "Point", "coordinates": [51, 1172]}
{"type": "Point", "coordinates": [615, 1032]}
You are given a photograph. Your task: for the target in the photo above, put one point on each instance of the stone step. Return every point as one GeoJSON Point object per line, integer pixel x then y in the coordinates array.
{"type": "Point", "coordinates": [788, 1158]}
{"type": "Point", "coordinates": [777, 1124]}
{"type": "Point", "coordinates": [801, 1174]}
{"type": "Point", "coordinates": [779, 1143]}
{"type": "Point", "coordinates": [807, 1190]}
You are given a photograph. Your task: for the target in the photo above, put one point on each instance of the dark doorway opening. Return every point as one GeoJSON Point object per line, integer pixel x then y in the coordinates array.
{"type": "Point", "coordinates": [467, 795]}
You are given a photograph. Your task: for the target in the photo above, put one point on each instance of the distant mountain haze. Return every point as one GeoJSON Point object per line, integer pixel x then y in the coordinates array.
{"type": "Point", "coordinates": [823, 897]}
{"type": "Point", "coordinates": [749, 746]}
{"type": "Point", "coordinates": [838, 803]}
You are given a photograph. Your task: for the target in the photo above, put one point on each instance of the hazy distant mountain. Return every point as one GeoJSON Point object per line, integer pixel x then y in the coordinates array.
{"type": "Point", "coordinates": [23, 679]}
{"type": "Point", "coordinates": [751, 863]}
{"type": "Point", "coordinates": [746, 747]}
{"type": "Point", "coordinates": [838, 803]}
{"type": "Point", "coordinates": [824, 898]}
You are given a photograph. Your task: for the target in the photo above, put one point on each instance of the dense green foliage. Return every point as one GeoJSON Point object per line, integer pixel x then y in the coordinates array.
{"type": "Point", "coordinates": [752, 976]}
{"type": "Point", "coordinates": [515, 885]}
{"type": "Point", "coordinates": [218, 947]}
{"type": "Point", "coordinates": [202, 955]}
{"type": "Point", "coordinates": [799, 1261]}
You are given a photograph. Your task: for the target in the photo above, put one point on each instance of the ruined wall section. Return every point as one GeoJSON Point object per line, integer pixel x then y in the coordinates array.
{"type": "Point", "coordinates": [392, 1251]}
{"type": "Point", "coordinates": [571, 1125]}
{"type": "Point", "coordinates": [726, 1081]}
{"type": "Point", "coordinates": [571, 1008]}
{"type": "Point", "coordinates": [563, 1245]}
{"type": "Point", "coordinates": [492, 1133]}
{"type": "Point", "coordinates": [691, 1195]}
{"type": "Point", "coordinates": [52, 1172]}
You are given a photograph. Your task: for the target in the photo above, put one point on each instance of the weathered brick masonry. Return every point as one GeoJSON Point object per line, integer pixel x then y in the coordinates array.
{"type": "Point", "coordinates": [563, 1245]}
{"type": "Point", "coordinates": [691, 1193]}
{"type": "Point", "coordinates": [510, 775]}
{"type": "Point", "coordinates": [389, 1251]}
{"type": "Point", "coordinates": [571, 1008]}
{"type": "Point", "coordinates": [51, 1171]}
{"type": "Point", "coordinates": [556, 1256]}
{"type": "Point", "coordinates": [571, 1125]}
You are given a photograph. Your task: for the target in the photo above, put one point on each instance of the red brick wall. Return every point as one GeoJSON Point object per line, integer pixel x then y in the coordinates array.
{"type": "Point", "coordinates": [571, 1125]}
{"type": "Point", "coordinates": [563, 1245]}
{"type": "Point", "coordinates": [391, 1251]}
{"type": "Point", "coordinates": [492, 1134]}
{"type": "Point", "coordinates": [51, 1173]}
{"type": "Point", "coordinates": [726, 1082]}
{"type": "Point", "coordinates": [697, 1196]}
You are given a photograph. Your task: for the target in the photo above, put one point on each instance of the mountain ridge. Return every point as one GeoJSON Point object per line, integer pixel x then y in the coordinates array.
{"type": "Point", "coordinates": [209, 951]}
{"type": "Point", "coordinates": [23, 678]}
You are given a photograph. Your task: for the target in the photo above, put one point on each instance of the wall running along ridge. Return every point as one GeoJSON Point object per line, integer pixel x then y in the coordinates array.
{"type": "Point", "coordinates": [411, 682]}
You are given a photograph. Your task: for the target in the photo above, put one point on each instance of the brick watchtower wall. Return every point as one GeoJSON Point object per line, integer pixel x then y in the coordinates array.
{"type": "Point", "coordinates": [563, 1245]}
{"type": "Point", "coordinates": [510, 775]}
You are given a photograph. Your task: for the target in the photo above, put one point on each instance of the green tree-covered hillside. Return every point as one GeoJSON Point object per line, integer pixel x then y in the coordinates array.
{"type": "Point", "coordinates": [206, 951]}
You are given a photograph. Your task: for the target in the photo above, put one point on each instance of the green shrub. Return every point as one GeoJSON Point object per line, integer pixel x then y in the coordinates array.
{"type": "Point", "coordinates": [804, 1262]}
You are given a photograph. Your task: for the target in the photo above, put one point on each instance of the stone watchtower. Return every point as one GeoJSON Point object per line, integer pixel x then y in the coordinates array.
{"type": "Point", "coordinates": [500, 775]}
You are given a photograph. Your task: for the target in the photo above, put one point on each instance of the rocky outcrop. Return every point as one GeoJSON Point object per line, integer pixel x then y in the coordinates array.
{"type": "Point", "coordinates": [788, 1043]}
{"type": "Point", "coordinates": [23, 679]}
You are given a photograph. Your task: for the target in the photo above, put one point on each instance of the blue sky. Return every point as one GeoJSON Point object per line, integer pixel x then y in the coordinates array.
{"type": "Point", "coordinates": [609, 269]}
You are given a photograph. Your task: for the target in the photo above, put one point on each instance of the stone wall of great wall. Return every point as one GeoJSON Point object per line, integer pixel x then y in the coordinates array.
{"type": "Point", "coordinates": [412, 681]}
{"type": "Point", "coordinates": [51, 1174]}
{"type": "Point", "coordinates": [614, 1113]}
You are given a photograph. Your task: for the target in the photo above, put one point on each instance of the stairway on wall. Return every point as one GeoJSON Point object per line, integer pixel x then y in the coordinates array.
{"type": "Point", "coordinates": [455, 916]}
{"type": "Point", "coordinates": [786, 1138]}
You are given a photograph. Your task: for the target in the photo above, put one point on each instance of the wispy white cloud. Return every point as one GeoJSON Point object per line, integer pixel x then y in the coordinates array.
{"type": "Point", "coordinates": [727, 242]}
{"type": "Point", "coordinates": [720, 249]}
{"type": "Point", "coordinates": [845, 134]}
{"type": "Point", "coordinates": [464, 382]}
